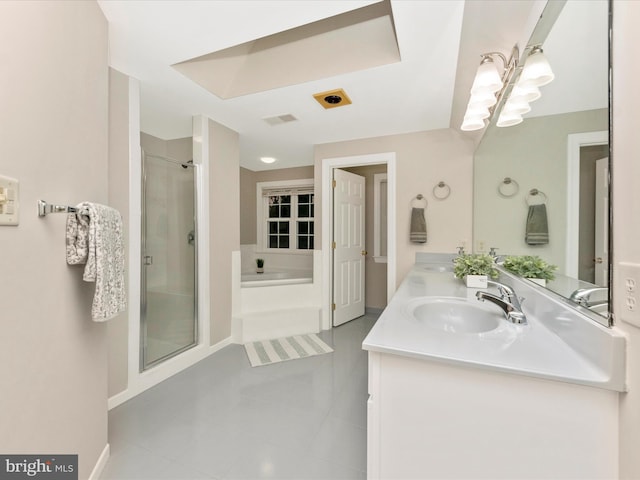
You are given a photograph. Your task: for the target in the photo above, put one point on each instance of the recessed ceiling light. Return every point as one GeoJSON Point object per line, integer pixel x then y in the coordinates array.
{"type": "Point", "coordinates": [267, 159]}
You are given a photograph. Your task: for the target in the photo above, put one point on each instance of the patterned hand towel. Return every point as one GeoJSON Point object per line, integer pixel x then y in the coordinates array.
{"type": "Point", "coordinates": [537, 230]}
{"type": "Point", "coordinates": [95, 238]}
{"type": "Point", "coordinates": [418, 232]}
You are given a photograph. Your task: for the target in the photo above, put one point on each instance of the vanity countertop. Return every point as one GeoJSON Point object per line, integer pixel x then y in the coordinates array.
{"type": "Point", "coordinates": [563, 351]}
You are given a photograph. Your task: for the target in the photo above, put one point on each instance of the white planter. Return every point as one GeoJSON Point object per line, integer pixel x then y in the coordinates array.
{"type": "Point", "coordinates": [476, 281]}
{"type": "Point", "coordinates": [259, 269]}
{"type": "Point", "coordinates": [540, 281]}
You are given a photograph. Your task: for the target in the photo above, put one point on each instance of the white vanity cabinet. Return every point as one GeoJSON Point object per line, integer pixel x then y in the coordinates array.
{"type": "Point", "coordinates": [452, 397]}
{"type": "Point", "coordinates": [431, 420]}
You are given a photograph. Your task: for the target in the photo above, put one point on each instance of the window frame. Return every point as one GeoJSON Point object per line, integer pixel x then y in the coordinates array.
{"type": "Point", "coordinates": [262, 215]}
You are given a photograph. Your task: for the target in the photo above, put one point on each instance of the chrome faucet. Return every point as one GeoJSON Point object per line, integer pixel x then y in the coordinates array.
{"type": "Point", "coordinates": [582, 296]}
{"type": "Point", "coordinates": [507, 300]}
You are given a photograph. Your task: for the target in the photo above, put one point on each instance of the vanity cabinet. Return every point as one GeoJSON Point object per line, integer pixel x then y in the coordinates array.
{"type": "Point", "coordinates": [437, 420]}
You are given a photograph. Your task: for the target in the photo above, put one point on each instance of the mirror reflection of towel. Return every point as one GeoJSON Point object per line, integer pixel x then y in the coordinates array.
{"type": "Point", "coordinates": [537, 229]}
{"type": "Point", "coordinates": [418, 232]}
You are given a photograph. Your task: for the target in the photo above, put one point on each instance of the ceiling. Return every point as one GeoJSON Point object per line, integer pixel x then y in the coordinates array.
{"type": "Point", "coordinates": [439, 42]}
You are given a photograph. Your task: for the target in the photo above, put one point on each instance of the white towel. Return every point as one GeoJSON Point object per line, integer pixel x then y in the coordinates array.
{"type": "Point", "coordinates": [95, 238]}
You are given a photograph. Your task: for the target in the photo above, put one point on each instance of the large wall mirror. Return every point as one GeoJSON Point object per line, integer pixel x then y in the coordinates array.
{"type": "Point", "coordinates": [559, 156]}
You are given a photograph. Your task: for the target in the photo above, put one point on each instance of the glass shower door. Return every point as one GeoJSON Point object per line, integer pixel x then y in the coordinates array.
{"type": "Point", "coordinates": [169, 301]}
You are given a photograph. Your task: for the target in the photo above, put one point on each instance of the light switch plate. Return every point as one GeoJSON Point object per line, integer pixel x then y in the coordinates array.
{"type": "Point", "coordinates": [9, 201]}
{"type": "Point", "coordinates": [628, 287]}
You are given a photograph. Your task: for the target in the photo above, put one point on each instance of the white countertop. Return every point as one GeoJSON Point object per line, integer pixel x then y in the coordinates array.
{"type": "Point", "coordinates": [532, 349]}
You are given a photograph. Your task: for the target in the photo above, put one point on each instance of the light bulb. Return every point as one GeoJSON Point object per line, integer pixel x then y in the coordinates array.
{"type": "Point", "coordinates": [516, 105]}
{"type": "Point", "coordinates": [537, 71]}
{"type": "Point", "coordinates": [529, 93]}
{"type": "Point", "coordinates": [509, 119]}
{"type": "Point", "coordinates": [472, 123]}
{"type": "Point", "coordinates": [487, 78]}
{"type": "Point", "coordinates": [486, 99]}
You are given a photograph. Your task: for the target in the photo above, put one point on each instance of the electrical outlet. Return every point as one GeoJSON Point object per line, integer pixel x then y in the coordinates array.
{"type": "Point", "coordinates": [629, 278]}
{"type": "Point", "coordinates": [482, 246]}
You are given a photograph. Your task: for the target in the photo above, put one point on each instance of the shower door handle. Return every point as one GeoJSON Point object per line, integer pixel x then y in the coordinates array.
{"type": "Point", "coordinates": [147, 260]}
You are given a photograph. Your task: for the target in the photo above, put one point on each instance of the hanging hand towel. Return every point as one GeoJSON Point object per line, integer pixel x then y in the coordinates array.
{"type": "Point", "coordinates": [537, 230]}
{"type": "Point", "coordinates": [418, 232]}
{"type": "Point", "coordinates": [95, 238]}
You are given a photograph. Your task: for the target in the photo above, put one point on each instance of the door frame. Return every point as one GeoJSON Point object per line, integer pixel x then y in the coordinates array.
{"type": "Point", "coordinates": [574, 143]}
{"type": "Point", "coordinates": [328, 165]}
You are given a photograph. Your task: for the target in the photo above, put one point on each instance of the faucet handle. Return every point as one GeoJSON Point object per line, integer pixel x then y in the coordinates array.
{"type": "Point", "coordinates": [460, 250]}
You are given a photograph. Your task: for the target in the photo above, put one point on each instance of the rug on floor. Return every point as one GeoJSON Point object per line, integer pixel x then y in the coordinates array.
{"type": "Point", "coordinates": [266, 352]}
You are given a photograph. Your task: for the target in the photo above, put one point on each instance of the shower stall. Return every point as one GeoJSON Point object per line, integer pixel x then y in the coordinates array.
{"type": "Point", "coordinates": [169, 259]}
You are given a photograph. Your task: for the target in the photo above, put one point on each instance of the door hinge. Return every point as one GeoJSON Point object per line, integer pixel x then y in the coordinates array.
{"type": "Point", "coordinates": [333, 183]}
{"type": "Point", "coordinates": [333, 245]}
{"type": "Point", "coordinates": [333, 306]}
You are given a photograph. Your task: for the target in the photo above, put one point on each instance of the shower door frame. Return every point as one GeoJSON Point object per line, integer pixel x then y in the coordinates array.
{"type": "Point", "coordinates": [143, 276]}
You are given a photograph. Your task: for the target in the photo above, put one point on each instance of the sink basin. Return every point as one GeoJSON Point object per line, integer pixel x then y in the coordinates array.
{"type": "Point", "coordinates": [456, 315]}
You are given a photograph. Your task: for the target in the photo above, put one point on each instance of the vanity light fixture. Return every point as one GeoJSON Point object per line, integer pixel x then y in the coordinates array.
{"type": "Point", "coordinates": [535, 73]}
{"type": "Point", "coordinates": [490, 86]}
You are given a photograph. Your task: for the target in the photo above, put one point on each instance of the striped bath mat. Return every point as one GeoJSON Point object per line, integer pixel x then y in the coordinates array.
{"type": "Point", "coordinates": [287, 348]}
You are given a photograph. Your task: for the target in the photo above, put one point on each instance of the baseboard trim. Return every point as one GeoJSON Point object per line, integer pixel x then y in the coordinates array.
{"type": "Point", "coordinates": [150, 378]}
{"type": "Point", "coordinates": [100, 464]}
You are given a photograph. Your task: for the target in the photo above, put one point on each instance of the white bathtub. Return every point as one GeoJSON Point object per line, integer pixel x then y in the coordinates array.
{"type": "Point", "coordinates": [286, 301]}
{"type": "Point", "coordinates": [272, 278]}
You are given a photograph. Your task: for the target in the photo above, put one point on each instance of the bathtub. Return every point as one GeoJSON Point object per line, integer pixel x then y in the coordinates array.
{"type": "Point", "coordinates": [273, 278]}
{"type": "Point", "coordinates": [278, 303]}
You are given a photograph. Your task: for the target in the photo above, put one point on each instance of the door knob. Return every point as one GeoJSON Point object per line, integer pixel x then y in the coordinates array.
{"type": "Point", "coordinates": [598, 260]}
{"type": "Point", "coordinates": [363, 253]}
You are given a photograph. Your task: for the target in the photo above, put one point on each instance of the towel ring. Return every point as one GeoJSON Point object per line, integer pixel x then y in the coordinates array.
{"type": "Point", "coordinates": [419, 198]}
{"type": "Point", "coordinates": [534, 192]}
{"type": "Point", "coordinates": [446, 192]}
{"type": "Point", "coordinates": [508, 181]}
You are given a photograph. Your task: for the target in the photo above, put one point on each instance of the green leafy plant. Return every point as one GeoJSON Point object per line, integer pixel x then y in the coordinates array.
{"type": "Point", "coordinates": [474, 264]}
{"type": "Point", "coordinates": [529, 266]}
{"type": "Point", "coordinates": [260, 262]}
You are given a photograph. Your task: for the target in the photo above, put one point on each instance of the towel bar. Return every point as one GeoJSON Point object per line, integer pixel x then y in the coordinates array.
{"type": "Point", "coordinates": [446, 191]}
{"type": "Point", "coordinates": [419, 198]}
{"type": "Point", "coordinates": [514, 187]}
{"type": "Point", "coordinates": [44, 208]}
{"type": "Point", "coordinates": [535, 192]}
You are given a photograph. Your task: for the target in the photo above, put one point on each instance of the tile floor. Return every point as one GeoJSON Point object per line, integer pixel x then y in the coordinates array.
{"type": "Point", "coordinates": [222, 419]}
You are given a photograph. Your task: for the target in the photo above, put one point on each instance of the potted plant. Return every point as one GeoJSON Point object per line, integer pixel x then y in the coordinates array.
{"type": "Point", "coordinates": [530, 266]}
{"type": "Point", "coordinates": [259, 265]}
{"type": "Point", "coordinates": [475, 269]}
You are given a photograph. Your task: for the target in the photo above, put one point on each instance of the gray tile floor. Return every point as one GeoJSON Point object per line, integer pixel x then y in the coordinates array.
{"type": "Point", "coordinates": [222, 419]}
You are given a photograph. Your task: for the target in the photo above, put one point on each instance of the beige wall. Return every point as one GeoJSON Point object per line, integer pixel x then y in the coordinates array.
{"type": "Point", "coordinates": [375, 273]}
{"type": "Point", "coordinates": [422, 160]}
{"type": "Point", "coordinates": [118, 328]}
{"type": "Point", "coordinates": [177, 149]}
{"type": "Point", "coordinates": [511, 152]}
{"type": "Point", "coordinates": [248, 180]}
{"type": "Point", "coordinates": [626, 205]}
{"type": "Point", "coordinates": [224, 215]}
{"type": "Point", "coordinates": [53, 129]}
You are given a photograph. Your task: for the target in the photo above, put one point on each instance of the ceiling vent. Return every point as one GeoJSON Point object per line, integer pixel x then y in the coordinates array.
{"type": "Point", "coordinates": [280, 119]}
{"type": "Point", "coordinates": [333, 98]}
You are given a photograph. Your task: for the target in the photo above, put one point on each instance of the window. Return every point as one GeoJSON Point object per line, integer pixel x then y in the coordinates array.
{"type": "Point", "coordinates": [286, 215]}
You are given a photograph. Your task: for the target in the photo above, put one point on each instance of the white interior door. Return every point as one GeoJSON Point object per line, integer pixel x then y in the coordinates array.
{"type": "Point", "coordinates": [601, 254]}
{"type": "Point", "coordinates": [348, 246]}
